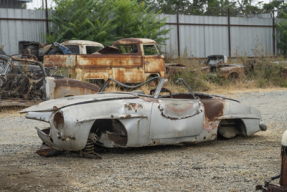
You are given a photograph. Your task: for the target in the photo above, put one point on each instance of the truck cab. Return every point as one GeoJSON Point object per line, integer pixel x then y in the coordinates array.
{"type": "Point", "coordinates": [130, 60]}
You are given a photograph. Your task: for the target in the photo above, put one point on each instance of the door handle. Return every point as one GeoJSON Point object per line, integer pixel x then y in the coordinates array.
{"type": "Point", "coordinates": [146, 63]}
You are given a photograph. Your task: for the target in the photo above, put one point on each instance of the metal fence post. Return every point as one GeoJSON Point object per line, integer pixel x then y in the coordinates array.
{"type": "Point", "coordinates": [47, 21]}
{"type": "Point", "coordinates": [178, 40]}
{"type": "Point", "coordinates": [229, 39]}
{"type": "Point", "coordinates": [273, 38]}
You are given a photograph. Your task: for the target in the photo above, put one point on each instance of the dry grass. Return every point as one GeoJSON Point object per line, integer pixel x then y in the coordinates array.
{"type": "Point", "coordinates": [13, 111]}
{"type": "Point", "coordinates": [229, 89]}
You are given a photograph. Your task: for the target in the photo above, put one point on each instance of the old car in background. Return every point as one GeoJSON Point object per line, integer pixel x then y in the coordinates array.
{"type": "Point", "coordinates": [131, 60]}
{"type": "Point", "coordinates": [218, 65]}
{"type": "Point", "coordinates": [68, 47]}
{"type": "Point", "coordinates": [283, 175]}
{"type": "Point", "coordinates": [25, 82]}
{"type": "Point", "coordinates": [136, 119]}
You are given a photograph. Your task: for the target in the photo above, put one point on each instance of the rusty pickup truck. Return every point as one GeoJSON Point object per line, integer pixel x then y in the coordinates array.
{"type": "Point", "coordinates": [130, 60]}
{"type": "Point", "coordinates": [217, 65]}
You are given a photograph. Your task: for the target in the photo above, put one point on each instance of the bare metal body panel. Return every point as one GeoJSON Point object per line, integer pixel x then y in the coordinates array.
{"type": "Point", "coordinates": [146, 120]}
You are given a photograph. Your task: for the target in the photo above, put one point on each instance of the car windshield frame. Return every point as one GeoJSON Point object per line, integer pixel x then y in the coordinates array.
{"type": "Point", "coordinates": [157, 90]}
{"type": "Point", "coordinates": [156, 94]}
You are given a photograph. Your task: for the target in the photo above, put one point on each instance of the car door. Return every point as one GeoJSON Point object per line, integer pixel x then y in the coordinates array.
{"type": "Point", "coordinates": [153, 61]}
{"type": "Point", "coordinates": [171, 118]}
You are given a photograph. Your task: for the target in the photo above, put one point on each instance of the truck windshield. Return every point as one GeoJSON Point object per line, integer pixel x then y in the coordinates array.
{"type": "Point", "coordinates": [150, 50]}
{"type": "Point", "coordinates": [74, 49]}
{"type": "Point", "coordinates": [132, 48]}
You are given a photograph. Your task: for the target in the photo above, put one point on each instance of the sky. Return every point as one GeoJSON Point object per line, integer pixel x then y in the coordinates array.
{"type": "Point", "coordinates": [38, 3]}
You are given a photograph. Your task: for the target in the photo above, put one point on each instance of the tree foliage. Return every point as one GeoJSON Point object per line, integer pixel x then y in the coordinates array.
{"type": "Point", "coordinates": [105, 21]}
{"type": "Point", "coordinates": [214, 7]}
{"type": "Point", "coordinates": [281, 28]}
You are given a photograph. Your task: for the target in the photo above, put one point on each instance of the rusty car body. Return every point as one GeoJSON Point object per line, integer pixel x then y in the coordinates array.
{"type": "Point", "coordinates": [217, 65]}
{"type": "Point", "coordinates": [131, 60]}
{"type": "Point", "coordinates": [135, 119]}
{"type": "Point", "coordinates": [24, 82]}
{"type": "Point", "coordinates": [283, 174]}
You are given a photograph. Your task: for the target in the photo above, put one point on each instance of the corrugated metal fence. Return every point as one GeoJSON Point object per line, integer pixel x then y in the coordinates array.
{"type": "Point", "coordinates": [21, 25]}
{"type": "Point", "coordinates": [192, 36]}
{"type": "Point", "coordinates": [200, 36]}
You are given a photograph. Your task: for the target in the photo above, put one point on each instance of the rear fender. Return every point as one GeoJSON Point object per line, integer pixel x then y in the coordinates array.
{"type": "Point", "coordinates": [57, 88]}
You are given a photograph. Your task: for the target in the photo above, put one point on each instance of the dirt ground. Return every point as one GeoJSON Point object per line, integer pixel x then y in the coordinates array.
{"type": "Point", "coordinates": [223, 165]}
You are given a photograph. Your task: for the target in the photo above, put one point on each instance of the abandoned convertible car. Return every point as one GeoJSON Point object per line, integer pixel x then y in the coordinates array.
{"type": "Point", "coordinates": [135, 119]}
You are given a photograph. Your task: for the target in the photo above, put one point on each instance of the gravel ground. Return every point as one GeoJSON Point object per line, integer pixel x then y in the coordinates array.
{"type": "Point", "coordinates": [223, 165]}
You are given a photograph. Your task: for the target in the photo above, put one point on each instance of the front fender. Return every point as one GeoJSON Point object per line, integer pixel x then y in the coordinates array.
{"type": "Point", "coordinates": [72, 135]}
{"type": "Point", "coordinates": [78, 120]}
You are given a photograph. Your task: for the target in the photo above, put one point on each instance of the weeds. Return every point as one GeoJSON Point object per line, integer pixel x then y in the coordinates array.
{"type": "Point", "coordinates": [258, 73]}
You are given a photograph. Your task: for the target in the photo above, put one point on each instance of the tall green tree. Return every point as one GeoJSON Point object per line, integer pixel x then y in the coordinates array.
{"type": "Point", "coordinates": [220, 7]}
{"type": "Point", "coordinates": [275, 5]}
{"type": "Point", "coordinates": [249, 7]}
{"type": "Point", "coordinates": [105, 21]}
{"type": "Point", "coordinates": [137, 20]}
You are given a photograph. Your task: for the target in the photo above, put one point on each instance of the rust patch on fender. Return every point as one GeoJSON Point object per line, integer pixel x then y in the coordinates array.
{"type": "Point", "coordinates": [213, 108]}
{"type": "Point", "coordinates": [210, 125]}
{"type": "Point", "coordinates": [176, 110]}
{"type": "Point", "coordinates": [134, 106]}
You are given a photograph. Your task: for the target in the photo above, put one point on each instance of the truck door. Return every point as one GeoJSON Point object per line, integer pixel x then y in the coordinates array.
{"type": "Point", "coordinates": [127, 66]}
{"type": "Point", "coordinates": [153, 60]}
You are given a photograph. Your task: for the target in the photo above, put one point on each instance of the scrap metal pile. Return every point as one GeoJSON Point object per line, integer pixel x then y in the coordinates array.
{"type": "Point", "coordinates": [25, 82]}
{"type": "Point", "coordinates": [17, 86]}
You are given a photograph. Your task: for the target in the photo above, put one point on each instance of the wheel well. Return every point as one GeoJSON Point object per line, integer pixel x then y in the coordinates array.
{"type": "Point", "coordinates": [110, 129]}
{"type": "Point", "coordinates": [233, 75]}
{"type": "Point", "coordinates": [229, 128]}
{"type": "Point", "coordinates": [154, 82]}
{"type": "Point", "coordinates": [152, 76]}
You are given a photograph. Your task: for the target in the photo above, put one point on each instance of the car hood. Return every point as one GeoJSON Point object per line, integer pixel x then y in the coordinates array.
{"type": "Point", "coordinates": [55, 104]}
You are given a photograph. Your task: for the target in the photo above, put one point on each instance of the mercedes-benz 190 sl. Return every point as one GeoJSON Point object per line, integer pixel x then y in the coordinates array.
{"type": "Point", "coordinates": [135, 119]}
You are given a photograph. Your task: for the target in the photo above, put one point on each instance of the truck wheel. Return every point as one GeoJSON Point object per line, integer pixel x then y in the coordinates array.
{"type": "Point", "coordinates": [55, 52]}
